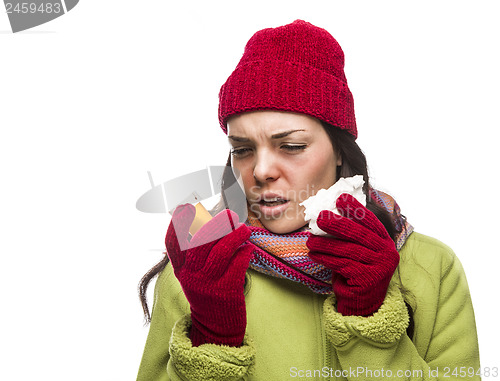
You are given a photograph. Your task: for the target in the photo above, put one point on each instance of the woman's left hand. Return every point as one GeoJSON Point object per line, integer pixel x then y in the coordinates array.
{"type": "Point", "coordinates": [360, 253]}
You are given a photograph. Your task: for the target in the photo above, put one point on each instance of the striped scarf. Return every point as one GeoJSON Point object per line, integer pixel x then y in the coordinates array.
{"type": "Point", "coordinates": [286, 255]}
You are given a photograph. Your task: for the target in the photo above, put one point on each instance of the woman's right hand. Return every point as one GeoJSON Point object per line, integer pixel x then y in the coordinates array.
{"type": "Point", "coordinates": [211, 270]}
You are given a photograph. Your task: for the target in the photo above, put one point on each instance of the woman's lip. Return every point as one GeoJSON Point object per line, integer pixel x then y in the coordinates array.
{"type": "Point", "coordinates": [269, 196]}
{"type": "Point", "coordinates": [273, 211]}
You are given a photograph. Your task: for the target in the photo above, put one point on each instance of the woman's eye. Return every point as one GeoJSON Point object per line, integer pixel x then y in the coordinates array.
{"type": "Point", "coordinates": [290, 147]}
{"type": "Point", "coordinates": [239, 151]}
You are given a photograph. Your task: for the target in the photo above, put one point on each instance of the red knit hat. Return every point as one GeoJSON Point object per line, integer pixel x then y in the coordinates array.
{"type": "Point", "coordinates": [297, 67]}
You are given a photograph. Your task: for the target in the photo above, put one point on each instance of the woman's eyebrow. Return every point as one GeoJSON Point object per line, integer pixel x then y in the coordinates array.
{"type": "Point", "coordinates": [275, 136]}
{"type": "Point", "coordinates": [283, 134]}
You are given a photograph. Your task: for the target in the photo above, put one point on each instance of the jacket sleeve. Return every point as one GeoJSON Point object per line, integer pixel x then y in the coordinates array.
{"type": "Point", "coordinates": [379, 343]}
{"type": "Point", "coordinates": [169, 355]}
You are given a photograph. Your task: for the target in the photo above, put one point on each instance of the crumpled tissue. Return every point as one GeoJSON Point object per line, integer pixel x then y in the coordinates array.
{"type": "Point", "coordinates": [326, 199]}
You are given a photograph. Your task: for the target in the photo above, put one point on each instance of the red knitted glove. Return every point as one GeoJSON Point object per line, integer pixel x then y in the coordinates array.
{"type": "Point", "coordinates": [360, 254]}
{"type": "Point", "coordinates": [211, 271]}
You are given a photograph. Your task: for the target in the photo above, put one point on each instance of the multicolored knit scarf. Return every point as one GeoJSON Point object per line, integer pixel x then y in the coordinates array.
{"type": "Point", "coordinates": [286, 255]}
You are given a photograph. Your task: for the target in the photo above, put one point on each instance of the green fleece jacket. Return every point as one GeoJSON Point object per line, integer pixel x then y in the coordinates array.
{"type": "Point", "coordinates": [293, 333]}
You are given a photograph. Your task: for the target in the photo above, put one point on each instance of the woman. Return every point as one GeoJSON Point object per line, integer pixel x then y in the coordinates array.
{"type": "Point", "coordinates": [269, 300]}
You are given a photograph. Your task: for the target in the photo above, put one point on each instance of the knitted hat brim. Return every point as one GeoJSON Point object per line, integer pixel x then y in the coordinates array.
{"type": "Point", "coordinates": [287, 86]}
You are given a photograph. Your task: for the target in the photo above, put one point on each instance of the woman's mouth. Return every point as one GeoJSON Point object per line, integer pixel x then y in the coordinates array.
{"type": "Point", "coordinates": [273, 208]}
{"type": "Point", "coordinates": [273, 202]}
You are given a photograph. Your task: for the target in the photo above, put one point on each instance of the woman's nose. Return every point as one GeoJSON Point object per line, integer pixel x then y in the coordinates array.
{"type": "Point", "coordinates": [266, 167]}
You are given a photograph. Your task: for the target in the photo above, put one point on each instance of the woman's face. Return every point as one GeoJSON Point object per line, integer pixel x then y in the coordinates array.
{"type": "Point", "coordinates": [283, 158]}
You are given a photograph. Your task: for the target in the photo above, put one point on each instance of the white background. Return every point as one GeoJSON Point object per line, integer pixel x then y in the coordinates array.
{"type": "Point", "coordinates": [93, 100]}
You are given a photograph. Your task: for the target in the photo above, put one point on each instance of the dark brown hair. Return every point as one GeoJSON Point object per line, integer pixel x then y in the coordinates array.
{"type": "Point", "coordinates": [353, 163]}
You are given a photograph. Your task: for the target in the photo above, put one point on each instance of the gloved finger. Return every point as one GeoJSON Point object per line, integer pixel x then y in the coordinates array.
{"type": "Point", "coordinates": [204, 240]}
{"type": "Point", "coordinates": [222, 224]}
{"type": "Point", "coordinates": [176, 239]}
{"type": "Point", "coordinates": [218, 260]}
{"type": "Point", "coordinates": [358, 270]}
{"type": "Point", "coordinates": [351, 208]}
{"type": "Point", "coordinates": [240, 261]}
{"type": "Point", "coordinates": [348, 268]}
{"type": "Point", "coordinates": [344, 249]}
{"type": "Point", "coordinates": [345, 229]}
{"type": "Point", "coordinates": [326, 259]}
{"type": "Point", "coordinates": [334, 251]}
{"type": "Point", "coordinates": [196, 257]}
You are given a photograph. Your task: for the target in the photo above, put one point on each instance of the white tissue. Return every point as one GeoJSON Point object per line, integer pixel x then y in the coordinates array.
{"type": "Point", "coordinates": [326, 199]}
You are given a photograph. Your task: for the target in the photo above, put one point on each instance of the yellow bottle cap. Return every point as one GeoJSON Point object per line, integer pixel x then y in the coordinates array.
{"type": "Point", "coordinates": [201, 218]}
